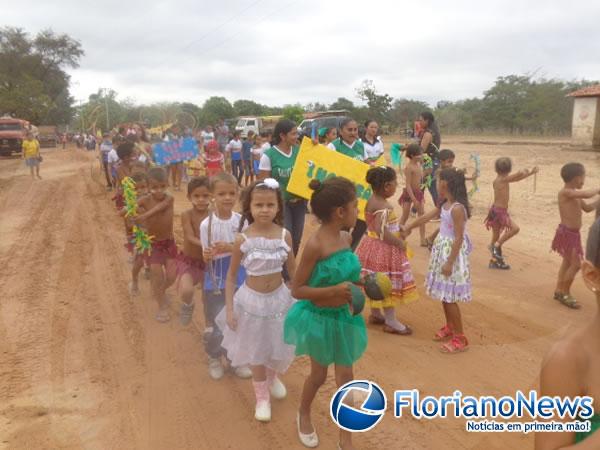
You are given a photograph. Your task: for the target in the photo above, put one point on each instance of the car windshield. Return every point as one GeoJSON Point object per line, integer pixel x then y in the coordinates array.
{"type": "Point", "coordinates": [329, 122]}
{"type": "Point", "coordinates": [10, 127]}
{"type": "Point", "coordinates": [306, 124]}
{"type": "Point", "coordinates": [241, 123]}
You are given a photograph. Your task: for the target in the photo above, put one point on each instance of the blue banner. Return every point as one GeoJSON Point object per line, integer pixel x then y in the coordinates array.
{"type": "Point", "coordinates": [175, 151]}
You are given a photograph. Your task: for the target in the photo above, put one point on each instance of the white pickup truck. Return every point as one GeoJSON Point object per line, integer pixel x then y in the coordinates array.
{"type": "Point", "coordinates": [246, 124]}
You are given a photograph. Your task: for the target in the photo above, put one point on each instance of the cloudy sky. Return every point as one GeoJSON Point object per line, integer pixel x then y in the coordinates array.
{"type": "Point", "coordinates": [288, 51]}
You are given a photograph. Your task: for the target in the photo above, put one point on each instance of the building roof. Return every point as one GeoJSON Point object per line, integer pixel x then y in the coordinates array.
{"type": "Point", "coordinates": [590, 91]}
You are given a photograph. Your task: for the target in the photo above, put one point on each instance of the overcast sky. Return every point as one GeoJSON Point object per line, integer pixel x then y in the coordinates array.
{"type": "Point", "coordinates": [288, 51]}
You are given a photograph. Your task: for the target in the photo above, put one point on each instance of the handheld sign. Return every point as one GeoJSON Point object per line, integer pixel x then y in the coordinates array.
{"type": "Point", "coordinates": [320, 162]}
{"type": "Point", "coordinates": [176, 151]}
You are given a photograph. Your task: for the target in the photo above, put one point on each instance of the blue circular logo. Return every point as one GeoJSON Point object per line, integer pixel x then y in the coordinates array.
{"type": "Point", "coordinates": [347, 416]}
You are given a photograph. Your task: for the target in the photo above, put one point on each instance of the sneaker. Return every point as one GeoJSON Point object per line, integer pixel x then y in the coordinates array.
{"type": "Point", "coordinates": [215, 368]}
{"type": "Point", "coordinates": [242, 372]}
{"type": "Point", "coordinates": [262, 413]}
{"type": "Point", "coordinates": [277, 389]}
{"type": "Point", "coordinates": [185, 314]}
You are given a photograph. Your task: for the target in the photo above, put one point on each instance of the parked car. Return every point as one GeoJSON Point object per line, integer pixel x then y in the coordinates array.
{"type": "Point", "coordinates": [305, 127]}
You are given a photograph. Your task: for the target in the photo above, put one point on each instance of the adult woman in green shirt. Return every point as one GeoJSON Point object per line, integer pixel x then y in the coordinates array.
{"type": "Point", "coordinates": [278, 162]}
{"type": "Point", "coordinates": [348, 144]}
{"type": "Point", "coordinates": [572, 368]}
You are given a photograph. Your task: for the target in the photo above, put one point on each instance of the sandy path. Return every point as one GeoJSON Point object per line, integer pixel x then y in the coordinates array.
{"type": "Point", "coordinates": [84, 366]}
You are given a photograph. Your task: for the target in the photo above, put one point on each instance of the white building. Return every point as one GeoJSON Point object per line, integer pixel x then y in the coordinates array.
{"type": "Point", "coordinates": [586, 117]}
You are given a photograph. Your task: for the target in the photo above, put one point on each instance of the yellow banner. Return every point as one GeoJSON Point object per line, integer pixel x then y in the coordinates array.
{"type": "Point", "coordinates": [320, 162]}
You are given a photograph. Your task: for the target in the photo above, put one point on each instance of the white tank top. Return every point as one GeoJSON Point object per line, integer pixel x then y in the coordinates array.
{"type": "Point", "coordinates": [263, 256]}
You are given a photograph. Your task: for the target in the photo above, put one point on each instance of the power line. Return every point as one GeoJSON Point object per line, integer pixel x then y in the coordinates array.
{"type": "Point", "coordinates": [224, 41]}
{"type": "Point", "coordinates": [222, 24]}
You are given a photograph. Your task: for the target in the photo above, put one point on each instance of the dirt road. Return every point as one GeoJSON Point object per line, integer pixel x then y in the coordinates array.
{"type": "Point", "coordinates": [84, 366]}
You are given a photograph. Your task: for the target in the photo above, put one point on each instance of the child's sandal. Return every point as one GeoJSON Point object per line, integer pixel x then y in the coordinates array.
{"type": "Point", "coordinates": [444, 333]}
{"type": "Point", "coordinates": [457, 344]}
{"type": "Point", "coordinates": [163, 316]}
{"type": "Point", "coordinates": [376, 320]}
{"type": "Point", "coordinates": [568, 301]}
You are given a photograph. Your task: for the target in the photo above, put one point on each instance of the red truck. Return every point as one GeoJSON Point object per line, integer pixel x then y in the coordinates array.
{"type": "Point", "coordinates": [12, 134]}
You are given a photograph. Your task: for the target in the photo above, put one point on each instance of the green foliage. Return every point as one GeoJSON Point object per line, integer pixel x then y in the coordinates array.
{"type": "Point", "coordinates": [33, 83]}
{"type": "Point", "coordinates": [315, 107]}
{"type": "Point", "coordinates": [294, 113]}
{"type": "Point", "coordinates": [404, 112]}
{"type": "Point", "coordinates": [515, 104]}
{"type": "Point", "coordinates": [342, 104]}
{"type": "Point", "coordinates": [378, 104]}
{"type": "Point", "coordinates": [215, 108]}
{"type": "Point", "coordinates": [248, 108]}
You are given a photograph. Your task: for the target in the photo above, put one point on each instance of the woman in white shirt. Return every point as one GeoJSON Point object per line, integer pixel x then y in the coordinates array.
{"type": "Point", "coordinates": [372, 142]}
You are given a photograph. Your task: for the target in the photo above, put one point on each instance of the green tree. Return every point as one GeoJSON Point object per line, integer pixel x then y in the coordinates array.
{"type": "Point", "coordinates": [342, 104]}
{"type": "Point", "coordinates": [315, 107]}
{"type": "Point", "coordinates": [295, 113]}
{"type": "Point", "coordinates": [248, 108]}
{"type": "Point", "coordinates": [33, 82]}
{"type": "Point", "coordinates": [214, 109]}
{"type": "Point", "coordinates": [378, 104]}
{"type": "Point", "coordinates": [405, 111]}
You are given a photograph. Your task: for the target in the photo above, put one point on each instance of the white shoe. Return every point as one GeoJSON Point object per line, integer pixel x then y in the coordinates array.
{"type": "Point", "coordinates": [242, 372]}
{"type": "Point", "coordinates": [310, 440]}
{"type": "Point", "coordinates": [277, 389]}
{"type": "Point", "coordinates": [215, 368]}
{"type": "Point", "coordinates": [263, 411]}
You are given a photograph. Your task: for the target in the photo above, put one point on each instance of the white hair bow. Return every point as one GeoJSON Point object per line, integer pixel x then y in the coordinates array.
{"type": "Point", "coordinates": [270, 183]}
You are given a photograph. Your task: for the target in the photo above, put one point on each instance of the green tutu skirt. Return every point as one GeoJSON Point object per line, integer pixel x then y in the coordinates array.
{"type": "Point", "coordinates": [327, 335]}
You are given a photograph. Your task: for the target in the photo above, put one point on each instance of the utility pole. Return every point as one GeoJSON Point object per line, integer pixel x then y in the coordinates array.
{"type": "Point", "coordinates": [106, 107]}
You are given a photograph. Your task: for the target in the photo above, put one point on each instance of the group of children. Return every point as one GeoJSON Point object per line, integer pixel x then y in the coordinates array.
{"type": "Point", "coordinates": [240, 156]}
{"type": "Point", "coordinates": [256, 322]}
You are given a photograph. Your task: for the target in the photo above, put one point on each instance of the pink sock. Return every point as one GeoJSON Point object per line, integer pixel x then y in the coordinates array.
{"type": "Point", "coordinates": [261, 391]}
{"type": "Point", "coordinates": [271, 374]}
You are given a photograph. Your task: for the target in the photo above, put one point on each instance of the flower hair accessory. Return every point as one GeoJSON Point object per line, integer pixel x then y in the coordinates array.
{"type": "Point", "coordinates": [270, 183]}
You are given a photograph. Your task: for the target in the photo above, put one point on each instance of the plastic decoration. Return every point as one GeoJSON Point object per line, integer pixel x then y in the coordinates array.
{"type": "Point", "coordinates": [427, 164]}
{"type": "Point", "coordinates": [477, 161]}
{"type": "Point", "coordinates": [141, 241]}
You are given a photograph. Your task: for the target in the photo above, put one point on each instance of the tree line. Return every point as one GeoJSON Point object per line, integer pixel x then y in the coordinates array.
{"type": "Point", "coordinates": [35, 86]}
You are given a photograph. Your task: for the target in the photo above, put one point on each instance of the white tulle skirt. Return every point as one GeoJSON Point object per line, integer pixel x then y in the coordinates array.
{"type": "Point", "coordinates": [258, 339]}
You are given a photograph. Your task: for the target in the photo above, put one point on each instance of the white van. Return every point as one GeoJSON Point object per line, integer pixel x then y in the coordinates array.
{"type": "Point", "coordinates": [246, 124]}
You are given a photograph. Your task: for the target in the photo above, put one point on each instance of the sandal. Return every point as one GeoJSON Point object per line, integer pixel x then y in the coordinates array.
{"type": "Point", "coordinates": [567, 300]}
{"type": "Point", "coordinates": [428, 243]}
{"type": "Point", "coordinates": [134, 290]}
{"type": "Point", "coordinates": [444, 333]}
{"type": "Point", "coordinates": [375, 320]}
{"type": "Point", "coordinates": [457, 344]}
{"type": "Point", "coordinates": [163, 316]}
{"type": "Point", "coordinates": [406, 332]}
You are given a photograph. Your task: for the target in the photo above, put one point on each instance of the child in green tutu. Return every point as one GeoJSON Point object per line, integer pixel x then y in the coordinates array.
{"type": "Point", "coordinates": [321, 324]}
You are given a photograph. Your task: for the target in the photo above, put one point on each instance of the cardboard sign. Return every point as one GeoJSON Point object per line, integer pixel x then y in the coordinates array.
{"type": "Point", "coordinates": [320, 162]}
{"type": "Point", "coordinates": [172, 152]}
